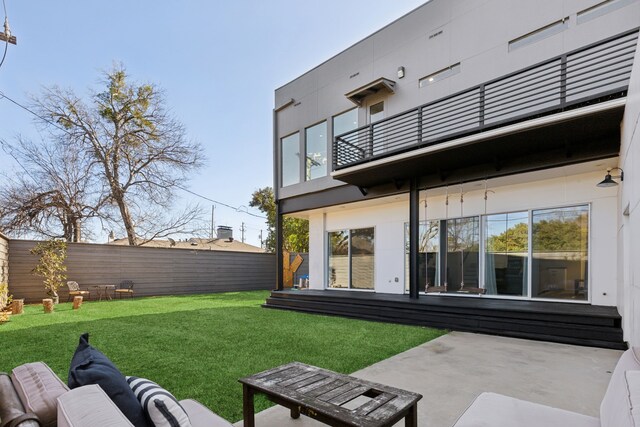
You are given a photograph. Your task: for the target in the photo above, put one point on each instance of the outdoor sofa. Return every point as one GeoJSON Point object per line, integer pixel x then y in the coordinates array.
{"type": "Point", "coordinates": [34, 396]}
{"type": "Point", "coordinates": [620, 406]}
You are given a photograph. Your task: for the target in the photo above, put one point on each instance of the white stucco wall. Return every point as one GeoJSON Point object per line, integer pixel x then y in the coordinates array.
{"type": "Point", "coordinates": [389, 215]}
{"type": "Point", "coordinates": [629, 212]}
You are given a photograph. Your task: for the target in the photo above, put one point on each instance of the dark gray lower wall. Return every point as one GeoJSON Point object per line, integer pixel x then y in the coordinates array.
{"type": "Point", "coordinates": [155, 271]}
{"type": "Point", "coordinates": [4, 259]}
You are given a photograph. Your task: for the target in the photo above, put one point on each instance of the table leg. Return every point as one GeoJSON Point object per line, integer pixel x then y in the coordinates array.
{"type": "Point", "coordinates": [411, 420]}
{"type": "Point", "coordinates": [247, 406]}
{"type": "Point", "coordinates": [295, 412]}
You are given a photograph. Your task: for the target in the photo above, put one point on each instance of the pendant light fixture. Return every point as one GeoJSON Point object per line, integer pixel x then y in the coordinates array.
{"type": "Point", "coordinates": [608, 179]}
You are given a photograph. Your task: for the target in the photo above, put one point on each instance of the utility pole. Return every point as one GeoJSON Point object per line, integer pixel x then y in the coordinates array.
{"type": "Point", "coordinates": [242, 229]}
{"type": "Point", "coordinates": [213, 209]}
{"type": "Point", "coordinates": [261, 242]}
{"type": "Point", "coordinates": [6, 35]}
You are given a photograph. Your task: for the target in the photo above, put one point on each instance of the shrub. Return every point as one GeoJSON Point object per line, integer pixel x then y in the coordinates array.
{"type": "Point", "coordinates": [51, 266]}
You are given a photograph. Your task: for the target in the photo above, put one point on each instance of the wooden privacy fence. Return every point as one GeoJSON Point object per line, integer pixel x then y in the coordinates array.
{"type": "Point", "coordinates": [155, 271]}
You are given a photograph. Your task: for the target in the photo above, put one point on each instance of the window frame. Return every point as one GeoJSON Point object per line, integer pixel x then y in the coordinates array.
{"type": "Point", "coordinates": [539, 34]}
{"type": "Point", "coordinates": [440, 75]}
{"type": "Point", "coordinates": [333, 119]}
{"type": "Point", "coordinates": [282, 163]}
{"type": "Point", "coordinates": [326, 148]}
{"type": "Point", "coordinates": [482, 255]}
{"type": "Point", "coordinates": [349, 288]}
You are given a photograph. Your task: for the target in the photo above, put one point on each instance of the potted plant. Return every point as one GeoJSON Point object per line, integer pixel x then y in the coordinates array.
{"type": "Point", "coordinates": [5, 300]}
{"type": "Point", "coordinates": [51, 266]}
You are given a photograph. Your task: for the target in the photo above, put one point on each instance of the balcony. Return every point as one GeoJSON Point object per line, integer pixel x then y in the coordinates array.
{"type": "Point", "coordinates": [564, 110]}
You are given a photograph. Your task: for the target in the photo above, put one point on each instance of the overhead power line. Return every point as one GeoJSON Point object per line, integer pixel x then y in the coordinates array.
{"type": "Point", "coordinates": [30, 111]}
{"type": "Point", "coordinates": [237, 209]}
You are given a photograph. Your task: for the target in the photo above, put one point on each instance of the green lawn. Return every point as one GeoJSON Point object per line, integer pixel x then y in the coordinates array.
{"type": "Point", "coordinates": [198, 346]}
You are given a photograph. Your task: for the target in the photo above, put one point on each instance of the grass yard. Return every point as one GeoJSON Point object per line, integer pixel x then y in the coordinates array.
{"type": "Point", "coordinates": [198, 346]}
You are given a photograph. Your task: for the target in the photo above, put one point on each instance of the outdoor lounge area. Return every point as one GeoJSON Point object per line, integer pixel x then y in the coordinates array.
{"type": "Point", "coordinates": [232, 337]}
{"type": "Point", "coordinates": [451, 371]}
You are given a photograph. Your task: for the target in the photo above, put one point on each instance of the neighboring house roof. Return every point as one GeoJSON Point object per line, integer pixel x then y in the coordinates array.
{"type": "Point", "coordinates": [198, 244]}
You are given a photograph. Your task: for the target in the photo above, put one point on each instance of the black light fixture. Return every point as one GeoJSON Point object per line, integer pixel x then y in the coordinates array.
{"type": "Point", "coordinates": [608, 179]}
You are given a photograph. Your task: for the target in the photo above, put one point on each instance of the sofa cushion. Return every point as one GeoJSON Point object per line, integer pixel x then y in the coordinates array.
{"type": "Point", "coordinates": [90, 366]}
{"type": "Point", "coordinates": [496, 410]}
{"type": "Point", "coordinates": [633, 387]}
{"type": "Point", "coordinates": [201, 416]}
{"type": "Point", "coordinates": [614, 410]}
{"type": "Point", "coordinates": [161, 407]}
{"type": "Point", "coordinates": [39, 388]}
{"type": "Point", "coordinates": [12, 411]}
{"type": "Point", "coordinates": [89, 406]}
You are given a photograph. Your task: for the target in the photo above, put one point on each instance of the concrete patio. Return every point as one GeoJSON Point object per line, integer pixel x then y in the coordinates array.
{"type": "Point", "coordinates": [452, 370]}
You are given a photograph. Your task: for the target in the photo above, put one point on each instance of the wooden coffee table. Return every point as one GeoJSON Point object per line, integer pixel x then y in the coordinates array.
{"type": "Point", "coordinates": [332, 398]}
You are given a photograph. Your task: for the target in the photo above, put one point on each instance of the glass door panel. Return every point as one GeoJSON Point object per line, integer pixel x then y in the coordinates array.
{"type": "Point", "coordinates": [376, 113]}
{"type": "Point", "coordinates": [339, 259]}
{"type": "Point", "coordinates": [362, 258]}
{"type": "Point", "coordinates": [463, 244]}
{"type": "Point", "coordinates": [506, 251]}
{"type": "Point", "coordinates": [428, 255]}
{"type": "Point", "coordinates": [560, 253]}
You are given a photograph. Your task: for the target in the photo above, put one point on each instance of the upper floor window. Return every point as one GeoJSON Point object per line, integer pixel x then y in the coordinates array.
{"type": "Point", "coordinates": [539, 34]}
{"type": "Point", "coordinates": [439, 75]}
{"type": "Point", "coordinates": [601, 9]}
{"type": "Point", "coordinates": [316, 151]}
{"type": "Point", "coordinates": [290, 159]}
{"type": "Point", "coordinates": [345, 122]}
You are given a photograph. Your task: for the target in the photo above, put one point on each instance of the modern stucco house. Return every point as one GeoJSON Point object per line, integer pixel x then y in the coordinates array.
{"type": "Point", "coordinates": [448, 166]}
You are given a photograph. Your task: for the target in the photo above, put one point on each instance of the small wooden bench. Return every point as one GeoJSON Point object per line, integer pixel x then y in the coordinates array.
{"type": "Point", "coordinates": [329, 397]}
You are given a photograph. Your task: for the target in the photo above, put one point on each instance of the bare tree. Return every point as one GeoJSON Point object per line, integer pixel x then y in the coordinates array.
{"type": "Point", "coordinates": [54, 195]}
{"type": "Point", "coordinates": [141, 151]}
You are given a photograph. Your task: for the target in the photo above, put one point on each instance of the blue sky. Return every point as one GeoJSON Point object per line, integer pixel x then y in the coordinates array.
{"type": "Point", "coordinates": [218, 63]}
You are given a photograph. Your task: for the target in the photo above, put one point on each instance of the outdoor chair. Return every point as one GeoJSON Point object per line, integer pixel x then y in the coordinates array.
{"type": "Point", "coordinates": [126, 288]}
{"type": "Point", "coordinates": [74, 290]}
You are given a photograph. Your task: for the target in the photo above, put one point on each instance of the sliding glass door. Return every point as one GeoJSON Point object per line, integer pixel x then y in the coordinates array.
{"type": "Point", "coordinates": [506, 250]}
{"type": "Point", "coordinates": [560, 253]}
{"type": "Point", "coordinates": [428, 255]}
{"type": "Point", "coordinates": [540, 253]}
{"type": "Point", "coordinates": [463, 250]}
{"type": "Point", "coordinates": [351, 259]}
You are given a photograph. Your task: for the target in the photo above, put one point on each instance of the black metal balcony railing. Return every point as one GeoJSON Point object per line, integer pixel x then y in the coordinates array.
{"type": "Point", "coordinates": [591, 74]}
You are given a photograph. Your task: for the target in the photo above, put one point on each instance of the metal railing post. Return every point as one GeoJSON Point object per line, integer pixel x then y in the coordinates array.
{"type": "Point", "coordinates": [370, 142]}
{"type": "Point", "coordinates": [419, 125]}
{"type": "Point", "coordinates": [563, 81]}
{"type": "Point", "coordinates": [481, 107]}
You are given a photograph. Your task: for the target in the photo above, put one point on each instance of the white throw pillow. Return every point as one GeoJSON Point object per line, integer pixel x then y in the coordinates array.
{"type": "Point", "coordinates": [161, 407]}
